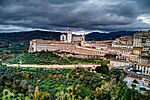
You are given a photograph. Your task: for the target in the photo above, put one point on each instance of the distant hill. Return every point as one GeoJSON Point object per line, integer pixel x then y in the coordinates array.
{"type": "Point", "coordinates": [29, 35]}
{"type": "Point", "coordinates": [108, 36]}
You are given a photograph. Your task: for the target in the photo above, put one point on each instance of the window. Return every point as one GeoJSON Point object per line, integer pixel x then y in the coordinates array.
{"type": "Point", "coordinates": [143, 40]}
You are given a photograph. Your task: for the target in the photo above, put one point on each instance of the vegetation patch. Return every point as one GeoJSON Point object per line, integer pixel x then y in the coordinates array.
{"type": "Point", "coordinates": [45, 58]}
{"type": "Point", "coordinates": [64, 84]}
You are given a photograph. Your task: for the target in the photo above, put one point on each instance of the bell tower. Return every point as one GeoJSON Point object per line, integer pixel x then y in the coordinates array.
{"type": "Point", "coordinates": [69, 35]}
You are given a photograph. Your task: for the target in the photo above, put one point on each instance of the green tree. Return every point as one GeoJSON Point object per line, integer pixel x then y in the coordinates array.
{"type": "Point", "coordinates": [102, 69]}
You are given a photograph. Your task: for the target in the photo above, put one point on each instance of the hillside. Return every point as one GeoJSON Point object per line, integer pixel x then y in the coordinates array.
{"type": "Point", "coordinates": [108, 36]}
{"type": "Point", "coordinates": [29, 35]}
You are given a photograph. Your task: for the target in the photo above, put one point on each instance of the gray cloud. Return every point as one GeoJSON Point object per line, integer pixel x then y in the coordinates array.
{"type": "Point", "coordinates": [103, 15]}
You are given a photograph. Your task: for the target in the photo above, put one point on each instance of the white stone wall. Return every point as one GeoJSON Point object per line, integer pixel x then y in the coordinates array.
{"type": "Point", "coordinates": [145, 69]}
{"type": "Point", "coordinates": [117, 64]}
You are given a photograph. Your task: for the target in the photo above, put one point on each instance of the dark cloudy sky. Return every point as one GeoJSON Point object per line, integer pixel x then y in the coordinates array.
{"type": "Point", "coordinates": [82, 15]}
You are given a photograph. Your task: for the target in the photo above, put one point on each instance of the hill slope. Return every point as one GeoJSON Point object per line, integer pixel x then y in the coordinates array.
{"type": "Point", "coordinates": [48, 58]}
{"type": "Point", "coordinates": [22, 36]}
{"type": "Point", "coordinates": [108, 36]}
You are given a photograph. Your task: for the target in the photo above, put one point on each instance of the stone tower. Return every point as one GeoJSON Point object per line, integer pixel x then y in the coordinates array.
{"type": "Point", "coordinates": [69, 35]}
{"type": "Point", "coordinates": [83, 37]}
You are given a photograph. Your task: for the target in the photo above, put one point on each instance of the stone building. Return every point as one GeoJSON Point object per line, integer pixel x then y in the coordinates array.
{"type": "Point", "coordinates": [137, 50]}
{"type": "Point", "coordinates": [144, 59]}
{"type": "Point", "coordinates": [141, 47]}
{"type": "Point", "coordinates": [68, 37]}
{"type": "Point", "coordinates": [133, 58]}
{"type": "Point", "coordinates": [123, 42]}
{"type": "Point", "coordinates": [68, 43]}
{"type": "Point", "coordinates": [47, 45]}
{"type": "Point", "coordinates": [142, 39]}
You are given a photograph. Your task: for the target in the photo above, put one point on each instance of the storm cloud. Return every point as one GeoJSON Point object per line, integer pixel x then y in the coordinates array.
{"type": "Point", "coordinates": [88, 15]}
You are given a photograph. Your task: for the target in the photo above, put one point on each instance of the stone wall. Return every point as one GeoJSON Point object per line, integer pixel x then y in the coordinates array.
{"type": "Point", "coordinates": [65, 47]}
{"type": "Point", "coordinates": [87, 66]}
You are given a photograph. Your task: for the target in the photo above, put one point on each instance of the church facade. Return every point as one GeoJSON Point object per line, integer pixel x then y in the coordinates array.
{"type": "Point", "coordinates": [68, 37]}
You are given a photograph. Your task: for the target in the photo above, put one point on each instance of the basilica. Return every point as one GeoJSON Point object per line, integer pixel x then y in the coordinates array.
{"type": "Point", "coordinates": [68, 43]}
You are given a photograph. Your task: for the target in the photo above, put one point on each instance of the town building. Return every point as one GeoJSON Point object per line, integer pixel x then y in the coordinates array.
{"type": "Point", "coordinates": [134, 58]}
{"type": "Point", "coordinates": [123, 42]}
{"type": "Point", "coordinates": [137, 50]}
{"type": "Point", "coordinates": [141, 47]}
{"type": "Point", "coordinates": [144, 59]}
{"type": "Point", "coordinates": [142, 39]}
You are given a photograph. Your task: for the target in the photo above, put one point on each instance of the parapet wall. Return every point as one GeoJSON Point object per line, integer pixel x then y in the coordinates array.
{"type": "Point", "coordinates": [54, 66]}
